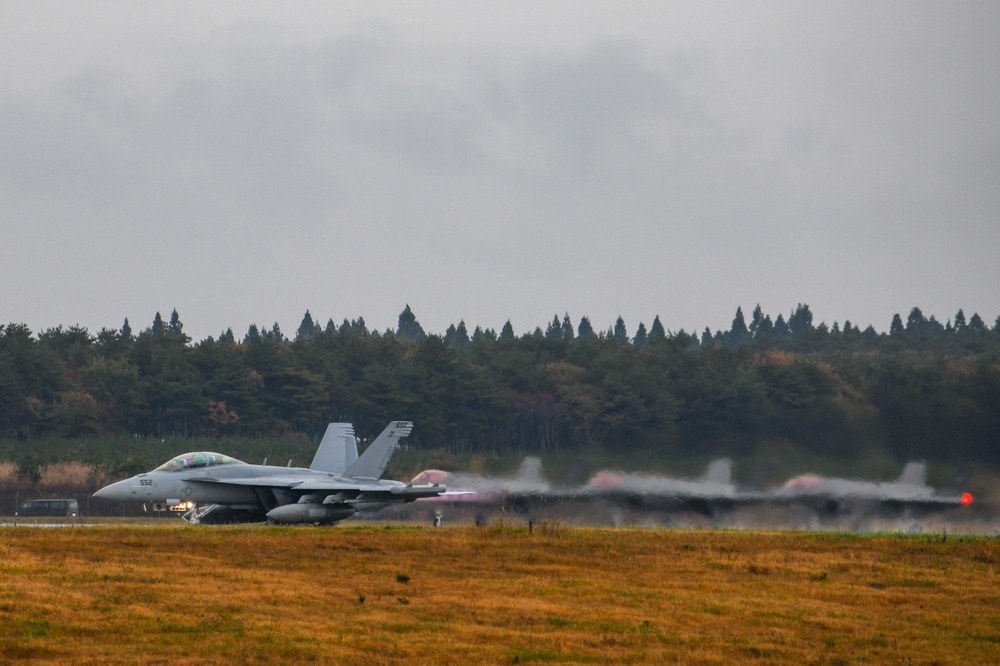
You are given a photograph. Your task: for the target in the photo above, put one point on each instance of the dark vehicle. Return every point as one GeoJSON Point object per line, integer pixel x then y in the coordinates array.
{"type": "Point", "coordinates": [48, 507]}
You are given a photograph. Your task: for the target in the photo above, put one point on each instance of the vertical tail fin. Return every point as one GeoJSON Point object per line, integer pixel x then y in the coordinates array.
{"type": "Point", "coordinates": [372, 462]}
{"type": "Point", "coordinates": [719, 471]}
{"type": "Point", "coordinates": [530, 469]}
{"type": "Point", "coordinates": [337, 451]}
{"type": "Point", "coordinates": [914, 474]}
{"type": "Point", "coordinates": [351, 453]}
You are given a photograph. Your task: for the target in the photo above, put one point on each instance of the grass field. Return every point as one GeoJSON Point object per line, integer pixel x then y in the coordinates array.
{"type": "Point", "coordinates": [170, 594]}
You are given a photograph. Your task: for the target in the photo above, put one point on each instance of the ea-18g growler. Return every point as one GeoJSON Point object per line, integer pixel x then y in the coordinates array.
{"type": "Point", "coordinates": [223, 489]}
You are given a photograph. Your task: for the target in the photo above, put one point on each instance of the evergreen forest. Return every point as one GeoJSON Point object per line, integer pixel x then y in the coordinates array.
{"type": "Point", "coordinates": [921, 390]}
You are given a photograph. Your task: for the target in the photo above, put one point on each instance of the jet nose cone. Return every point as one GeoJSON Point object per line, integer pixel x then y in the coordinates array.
{"type": "Point", "coordinates": [119, 491]}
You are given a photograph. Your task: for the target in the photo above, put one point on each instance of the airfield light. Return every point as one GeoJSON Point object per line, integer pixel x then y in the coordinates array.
{"type": "Point", "coordinates": [966, 499]}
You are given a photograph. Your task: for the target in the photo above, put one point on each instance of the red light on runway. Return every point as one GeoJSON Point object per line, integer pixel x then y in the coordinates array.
{"type": "Point", "coordinates": [966, 499]}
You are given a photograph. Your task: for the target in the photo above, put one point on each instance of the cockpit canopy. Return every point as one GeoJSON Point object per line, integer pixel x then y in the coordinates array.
{"type": "Point", "coordinates": [187, 461]}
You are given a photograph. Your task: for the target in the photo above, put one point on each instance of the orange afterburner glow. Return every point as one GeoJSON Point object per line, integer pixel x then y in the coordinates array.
{"type": "Point", "coordinates": [966, 499]}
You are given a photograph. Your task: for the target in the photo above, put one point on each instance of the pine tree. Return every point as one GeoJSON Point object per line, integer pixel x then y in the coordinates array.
{"type": "Point", "coordinates": [567, 327]}
{"type": "Point", "coordinates": [275, 334]}
{"type": "Point", "coordinates": [656, 332]}
{"type": "Point", "coordinates": [408, 327]}
{"type": "Point", "coordinates": [253, 335]}
{"type": "Point", "coordinates": [896, 327]}
{"type": "Point", "coordinates": [640, 339]}
{"type": "Point", "coordinates": [620, 333]}
{"type": "Point", "coordinates": [307, 328]}
{"type": "Point", "coordinates": [176, 328]}
{"type": "Point", "coordinates": [585, 331]}
{"type": "Point", "coordinates": [126, 331]}
{"type": "Point", "coordinates": [457, 337]}
{"type": "Point", "coordinates": [801, 320]}
{"type": "Point", "coordinates": [959, 321]}
{"type": "Point", "coordinates": [739, 333]}
{"type": "Point", "coordinates": [765, 328]}
{"type": "Point", "coordinates": [916, 322]}
{"type": "Point", "coordinates": [756, 320]}
{"type": "Point", "coordinates": [554, 329]}
{"type": "Point", "coordinates": [353, 327]}
{"type": "Point", "coordinates": [507, 332]}
{"type": "Point", "coordinates": [480, 335]}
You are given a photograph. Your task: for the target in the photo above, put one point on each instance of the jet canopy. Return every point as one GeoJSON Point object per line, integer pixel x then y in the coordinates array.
{"type": "Point", "coordinates": [187, 461]}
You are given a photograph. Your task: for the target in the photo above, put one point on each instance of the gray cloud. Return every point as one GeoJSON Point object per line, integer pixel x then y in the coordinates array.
{"type": "Point", "coordinates": [678, 164]}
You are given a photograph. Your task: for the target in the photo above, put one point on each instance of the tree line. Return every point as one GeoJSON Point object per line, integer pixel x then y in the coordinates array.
{"type": "Point", "coordinates": [922, 390]}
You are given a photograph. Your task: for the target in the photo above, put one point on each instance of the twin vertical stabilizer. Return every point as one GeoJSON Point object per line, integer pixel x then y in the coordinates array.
{"type": "Point", "coordinates": [337, 451]}
{"type": "Point", "coordinates": [372, 462]}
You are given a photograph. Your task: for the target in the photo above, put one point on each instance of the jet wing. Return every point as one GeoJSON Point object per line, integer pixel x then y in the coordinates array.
{"type": "Point", "coordinates": [706, 503]}
{"type": "Point", "coordinates": [294, 482]}
{"type": "Point", "coordinates": [299, 485]}
{"type": "Point", "coordinates": [371, 490]}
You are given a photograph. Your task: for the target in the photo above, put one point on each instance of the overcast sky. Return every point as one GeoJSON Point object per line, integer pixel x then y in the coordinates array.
{"type": "Point", "coordinates": [243, 162]}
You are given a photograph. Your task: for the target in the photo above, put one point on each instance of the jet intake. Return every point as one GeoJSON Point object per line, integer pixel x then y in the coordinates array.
{"type": "Point", "coordinates": [299, 513]}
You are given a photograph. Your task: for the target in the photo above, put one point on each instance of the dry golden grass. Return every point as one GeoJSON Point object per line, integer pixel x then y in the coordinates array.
{"type": "Point", "coordinates": [71, 476]}
{"type": "Point", "coordinates": [375, 595]}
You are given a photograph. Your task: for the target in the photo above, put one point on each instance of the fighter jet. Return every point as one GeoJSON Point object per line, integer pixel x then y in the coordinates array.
{"type": "Point", "coordinates": [829, 497]}
{"type": "Point", "coordinates": [715, 496]}
{"type": "Point", "coordinates": [336, 485]}
{"type": "Point", "coordinates": [611, 491]}
{"type": "Point", "coordinates": [712, 492]}
{"type": "Point", "coordinates": [521, 493]}
{"type": "Point", "coordinates": [468, 487]}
